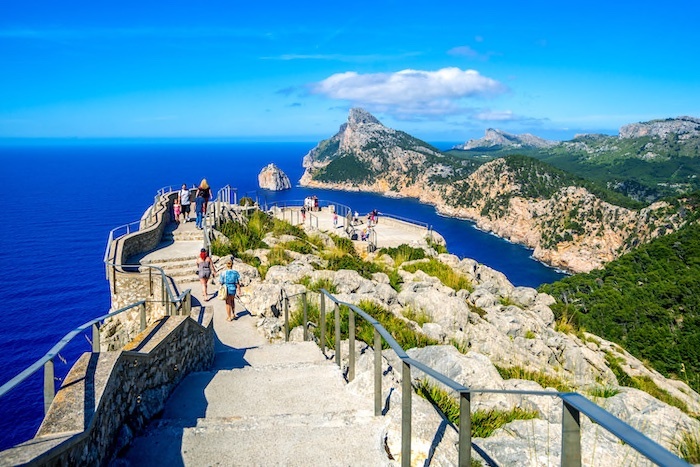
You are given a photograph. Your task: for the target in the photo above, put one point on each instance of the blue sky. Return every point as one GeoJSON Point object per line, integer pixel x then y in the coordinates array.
{"type": "Point", "coordinates": [442, 71]}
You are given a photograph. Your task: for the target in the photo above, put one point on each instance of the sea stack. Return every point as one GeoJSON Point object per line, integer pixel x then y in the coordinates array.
{"type": "Point", "coordinates": [272, 178]}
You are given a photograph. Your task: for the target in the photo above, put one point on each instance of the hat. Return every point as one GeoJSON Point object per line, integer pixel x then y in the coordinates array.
{"type": "Point", "coordinates": [203, 250]}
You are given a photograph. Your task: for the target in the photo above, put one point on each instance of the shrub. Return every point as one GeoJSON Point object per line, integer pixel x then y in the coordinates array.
{"type": "Point", "coordinates": [484, 422]}
{"type": "Point", "coordinates": [403, 253]}
{"type": "Point", "coordinates": [688, 447]}
{"type": "Point", "coordinates": [544, 380]}
{"type": "Point", "coordinates": [446, 274]}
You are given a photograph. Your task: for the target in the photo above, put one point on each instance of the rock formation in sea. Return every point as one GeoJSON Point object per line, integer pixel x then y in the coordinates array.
{"type": "Point", "coordinates": [273, 178]}
{"type": "Point", "coordinates": [567, 226]}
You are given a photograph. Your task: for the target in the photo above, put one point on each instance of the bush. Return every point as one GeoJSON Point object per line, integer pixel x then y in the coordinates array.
{"type": "Point", "coordinates": [446, 274]}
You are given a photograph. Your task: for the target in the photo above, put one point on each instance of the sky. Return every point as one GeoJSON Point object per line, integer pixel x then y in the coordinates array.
{"type": "Point", "coordinates": [290, 71]}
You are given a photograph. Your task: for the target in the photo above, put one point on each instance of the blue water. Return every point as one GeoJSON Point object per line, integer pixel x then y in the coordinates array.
{"type": "Point", "coordinates": [63, 197]}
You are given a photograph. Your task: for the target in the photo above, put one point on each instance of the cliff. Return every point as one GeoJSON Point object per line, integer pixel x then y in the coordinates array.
{"type": "Point", "coordinates": [517, 198]}
{"type": "Point", "coordinates": [273, 178]}
{"type": "Point", "coordinates": [480, 331]}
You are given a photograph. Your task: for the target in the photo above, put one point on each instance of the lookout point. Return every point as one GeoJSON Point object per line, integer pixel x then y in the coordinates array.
{"type": "Point", "coordinates": [326, 363]}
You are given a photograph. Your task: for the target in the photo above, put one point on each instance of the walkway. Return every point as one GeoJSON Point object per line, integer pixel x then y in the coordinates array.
{"type": "Point", "coordinates": [390, 232]}
{"type": "Point", "coordinates": [261, 403]}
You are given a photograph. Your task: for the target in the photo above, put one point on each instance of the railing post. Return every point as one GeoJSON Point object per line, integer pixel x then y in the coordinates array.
{"type": "Point", "coordinates": [150, 282]}
{"type": "Point", "coordinates": [114, 279]}
{"type": "Point", "coordinates": [323, 323]}
{"type": "Point", "coordinates": [286, 319]}
{"type": "Point", "coordinates": [188, 303]}
{"type": "Point", "coordinates": [406, 393]}
{"type": "Point", "coordinates": [377, 373]}
{"type": "Point", "coordinates": [95, 338]}
{"type": "Point", "coordinates": [306, 316]}
{"type": "Point", "coordinates": [351, 342]}
{"type": "Point", "coordinates": [570, 436]}
{"type": "Point", "coordinates": [337, 334]}
{"type": "Point", "coordinates": [142, 316]}
{"type": "Point", "coordinates": [465, 430]}
{"type": "Point", "coordinates": [49, 388]}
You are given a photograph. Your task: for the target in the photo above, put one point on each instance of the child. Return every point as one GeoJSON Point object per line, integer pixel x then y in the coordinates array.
{"type": "Point", "coordinates": [176, 211]}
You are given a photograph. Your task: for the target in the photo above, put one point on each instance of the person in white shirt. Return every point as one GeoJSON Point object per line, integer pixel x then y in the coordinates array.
{"type": "Point", "coordinates": [184, 198]}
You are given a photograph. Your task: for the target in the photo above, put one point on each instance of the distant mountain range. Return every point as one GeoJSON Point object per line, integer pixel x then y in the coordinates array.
{"type": "Point", "coordinates": [646, 161]}
{"type": "Point", "coordinates": [571, 221]}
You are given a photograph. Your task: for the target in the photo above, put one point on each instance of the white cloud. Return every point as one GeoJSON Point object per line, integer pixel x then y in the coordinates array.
{"type": "Point", "coordinates": [496, 115]}
{"type": "Point", "coordinates": [410, 91]}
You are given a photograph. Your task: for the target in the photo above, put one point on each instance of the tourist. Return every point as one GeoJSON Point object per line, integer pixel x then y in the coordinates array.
{"type": "Point", "coordinates": [356, 218]}
{"type": "Point", "coordinates": [177, 209]}
{"type": "Point", "coordinates": [303, 214]}
{"type": "Point", "coordinates": [205, 270]}
{"type": "Point", "coordinates": [231, 279]}
{"type": "Point", "coordinates": [204, 190]}
{"type": "Point", "coordinates": [184, 199]}
{"type": "Point", "coordinates": [335, 219]}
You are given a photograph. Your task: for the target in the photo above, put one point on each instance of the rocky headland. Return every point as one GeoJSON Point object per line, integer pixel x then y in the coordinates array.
{"type": "Point", "coordinates": [565, 224]}
{"type": "Point", "coordinates": [487, 335]}
{"type": "Point", "coordinates": [273, 178]}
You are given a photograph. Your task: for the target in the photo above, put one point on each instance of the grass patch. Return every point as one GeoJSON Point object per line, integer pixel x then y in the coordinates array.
{"type": "Point", "coordinates": [688, 447]}
{"type": "Point", "coordinates": [484, 422]}
{"type": "Point", "coordinates": [506, 301]}
{"type": "Point", "coordinates": [643, 383]}
{"type": "Point", "coordinates": [403, 253]}
{"type": "Point", "coordinates": [400, 330]}
{"type": "Point", "coordinates": [543, 379]}
{"type": "Point", "coordinates": [461, 345]}
{"type": "Point", "coordinates": [318, 284]}
{"type": "Point", "coordinates": [529, 334]}
{"type": "Point", "coordinates": [438, 247]}
{"type": "Point", "coordinates": [395, 279]}
{"type": "Point", "coordinates": [446, 274]}
{"type": "Point", "coordinates": [565, 324]}
{"type": "Point", "coordinates": [419, 316]}
{"type": "Point", "coordinates": [603, 391]}
{"type": "Point", "coordinates": [299, 246]}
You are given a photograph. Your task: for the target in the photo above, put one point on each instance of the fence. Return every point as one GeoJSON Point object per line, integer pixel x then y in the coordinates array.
{"type": "Point", "coordinates": [573, 404]}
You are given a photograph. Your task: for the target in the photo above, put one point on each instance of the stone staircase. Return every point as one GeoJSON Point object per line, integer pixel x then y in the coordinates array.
{"type": "Point", "coordinates": [273, 404]}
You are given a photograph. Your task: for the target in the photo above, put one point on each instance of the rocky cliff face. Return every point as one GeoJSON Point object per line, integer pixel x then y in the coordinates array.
{"type": "Point", "coordinates": [684, 127]}
{"type": "Point", "coordinates": [492, 326]}
{"type": "Point", "coordinates": [568, 227]}
{"type": "Point", "coordinates": [498, 138]}
{"type": "Point", "coordinates": [272, 178]}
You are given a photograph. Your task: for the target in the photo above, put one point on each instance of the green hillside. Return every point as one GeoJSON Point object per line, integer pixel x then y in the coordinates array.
{"type": "Point", "coordinates": [648, 301]}
{"type": "Point", "coordinates": [645, 168]}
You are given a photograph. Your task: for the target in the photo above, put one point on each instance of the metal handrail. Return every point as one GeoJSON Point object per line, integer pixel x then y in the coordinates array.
{"type": "Point", "coordinates": [573, 403]}
{"type": "Point", "coordinates": [46, 361]}
{"type": "Point", "coordinates": [406, 219]}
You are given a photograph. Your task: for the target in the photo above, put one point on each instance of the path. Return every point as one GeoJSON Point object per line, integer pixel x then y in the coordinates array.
{"type": "Point", "coordinates": [261, 403]}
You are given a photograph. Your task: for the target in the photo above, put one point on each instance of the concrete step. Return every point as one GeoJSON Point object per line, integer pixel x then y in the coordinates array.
{"type": "Point", "coordinates": [285, 388]}
{"type": "Point", "coordinates": [298, 440]}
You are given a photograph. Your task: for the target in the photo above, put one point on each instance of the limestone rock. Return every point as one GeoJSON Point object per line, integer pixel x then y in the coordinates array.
{"type": "Point", "coordinates": [273, 178]}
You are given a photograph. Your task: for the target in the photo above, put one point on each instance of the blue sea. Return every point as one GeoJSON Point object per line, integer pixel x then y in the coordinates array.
{"type": "Point", "coordinates": [64, 196]}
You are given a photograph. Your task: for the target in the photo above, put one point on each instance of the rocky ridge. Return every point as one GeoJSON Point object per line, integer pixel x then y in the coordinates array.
{"type": "Point", "coordinates": [497, 138]}
{"type": "Point", "coordinates": [273, 178]}
{"type": "Point", "coordinates": [684, 127]}
{"type": "Point", "coordinates": [495, 325]}
{"type": "Point", "coordinates": [570, 228]}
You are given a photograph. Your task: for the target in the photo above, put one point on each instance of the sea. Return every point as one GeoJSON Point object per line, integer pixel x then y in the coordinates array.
{"type": "Point", "coordinates": [64, 197]}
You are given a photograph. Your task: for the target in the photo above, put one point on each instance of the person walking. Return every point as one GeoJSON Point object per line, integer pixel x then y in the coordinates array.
{"type": "Point", "coordinates": [231, 279]}
{"type": "Point", "coordinates": [184, 199]}
{"type": "Point", "coordinates": [205, 270]}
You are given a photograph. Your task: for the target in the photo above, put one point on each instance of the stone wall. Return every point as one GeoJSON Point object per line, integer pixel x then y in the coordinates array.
{"type": "Point", "coordinates": [107, 397]}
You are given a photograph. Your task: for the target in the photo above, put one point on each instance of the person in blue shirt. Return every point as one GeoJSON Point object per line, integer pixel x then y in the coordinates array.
{"type": "Point", "coordinates": [231, 279]}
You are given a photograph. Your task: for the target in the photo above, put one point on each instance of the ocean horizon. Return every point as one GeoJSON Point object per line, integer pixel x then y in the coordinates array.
{"type": "Point", "coordinates": [65, 195]}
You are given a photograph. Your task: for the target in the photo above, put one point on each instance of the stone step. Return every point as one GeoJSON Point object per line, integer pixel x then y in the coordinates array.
{"type": "Point", "coordinates": [293, 388]}
{"type": "Point", "coordinates": [352, 438]}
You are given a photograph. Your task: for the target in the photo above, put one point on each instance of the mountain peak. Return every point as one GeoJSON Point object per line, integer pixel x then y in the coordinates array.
{"type": "Point", "coordinates": [493, 137]}
{"type": "Point", "coordinates": [360, 116]}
